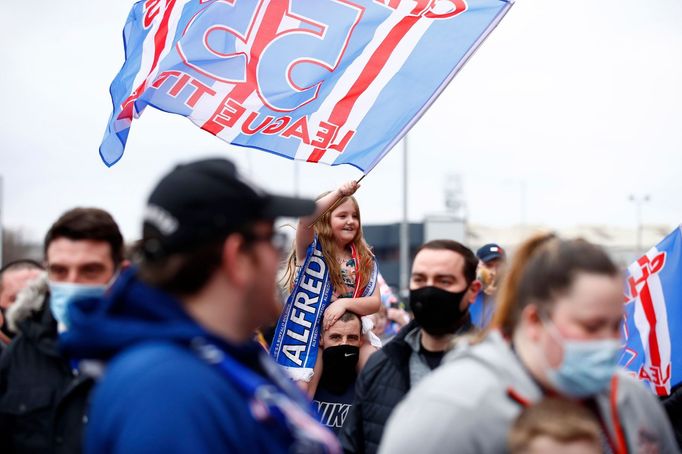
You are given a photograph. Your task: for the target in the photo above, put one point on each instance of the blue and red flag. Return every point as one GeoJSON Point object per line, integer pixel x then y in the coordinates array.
{"type": "Point", "coordinates": [652, 326]}
{"type": "Point", "coordinates": [331, 81]}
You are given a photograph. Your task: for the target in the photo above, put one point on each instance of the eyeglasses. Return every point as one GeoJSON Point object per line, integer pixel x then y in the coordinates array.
{"type": "Point", "coordinates": [278, 240]}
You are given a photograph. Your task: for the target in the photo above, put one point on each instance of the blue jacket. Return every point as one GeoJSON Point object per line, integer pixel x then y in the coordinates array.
{"type": "Point", "coordinates": [157, 393]}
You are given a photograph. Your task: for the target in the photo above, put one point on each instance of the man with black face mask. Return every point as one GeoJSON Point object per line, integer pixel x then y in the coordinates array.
{"type": "Point", "coordinates": [442, 287]}
{"type": "Point", "coordinates": [340, 352]}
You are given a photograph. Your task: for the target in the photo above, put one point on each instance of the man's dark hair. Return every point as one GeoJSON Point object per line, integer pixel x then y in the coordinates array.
{"type": "Point", "coordinates": [87, 224]}
{"type": "Point", "coordinates": [349, 316]}
{"type": "Point", "coordinates": [185, 273]}
{"type": "Point", "coordinates": [470, 259]}
{"type": "Point", "coordinates": [17, 265]}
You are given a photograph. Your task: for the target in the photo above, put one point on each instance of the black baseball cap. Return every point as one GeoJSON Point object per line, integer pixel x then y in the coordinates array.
{"type": "Point", "coordinates": [204, 200]}
{"type": "Point", "coordinates": [490, 251]}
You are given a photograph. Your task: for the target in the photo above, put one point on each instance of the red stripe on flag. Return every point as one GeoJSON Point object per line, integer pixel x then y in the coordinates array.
{"type": "Point", "coordinates": [376, 63]}
{"type": "Point", "coordinates": [159, 45]}
{"type": "Point", "coordinates": [650, 313]}
{"type": "Point", "coordinates": [273, 16]}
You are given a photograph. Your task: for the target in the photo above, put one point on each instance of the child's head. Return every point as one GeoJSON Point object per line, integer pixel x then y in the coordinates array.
{"type": "Point", "coordinates": [336, 230]}
{"type": "Point", "coordinates": [342, 224]}
{"type": "Point", "coordinates": [555, 426]}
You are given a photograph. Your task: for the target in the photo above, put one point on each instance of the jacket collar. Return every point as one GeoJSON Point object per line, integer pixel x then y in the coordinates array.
{"type": "Point", "coordinates": [30, 301]}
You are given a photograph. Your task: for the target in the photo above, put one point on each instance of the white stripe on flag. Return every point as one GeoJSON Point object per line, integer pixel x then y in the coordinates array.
{"type": "Point", "coordinates": [208, 105]}
{"type": "Point", "coordinates": [173, 21]}
{"type": "Point", "coordinates": [394, 64]}
{"type": "Point", "coordinates": [253, 102]}
{"type": "Point", "coordinates": [662, 330]}
{"type": "Point", "coordinates": [146, 72]}
{"type": "Point", "coordinates": [348, 78]}
{"type": "Point", "coordinates": [147, 57]}
{"type": "Point", "coordinates": [642, 324]}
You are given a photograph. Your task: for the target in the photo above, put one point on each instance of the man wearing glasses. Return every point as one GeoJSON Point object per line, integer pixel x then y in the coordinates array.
{"type": "Point", "coordinates": [184, 373]}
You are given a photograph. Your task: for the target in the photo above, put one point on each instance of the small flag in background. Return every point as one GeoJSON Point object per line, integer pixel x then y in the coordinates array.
{"type": "Point", "coordinates": [653, 316]}
{"type": "Point", "coordinates": [331, 81]}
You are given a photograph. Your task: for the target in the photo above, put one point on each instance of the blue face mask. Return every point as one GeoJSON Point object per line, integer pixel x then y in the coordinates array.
{"type": "Point", "coordinates": [62, 294]}
{"type": "Point", "coordinates": [587, 366]}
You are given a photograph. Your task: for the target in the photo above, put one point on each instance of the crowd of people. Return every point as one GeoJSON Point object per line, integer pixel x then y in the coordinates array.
{"type": "Point", "coordinates": [190, 342]}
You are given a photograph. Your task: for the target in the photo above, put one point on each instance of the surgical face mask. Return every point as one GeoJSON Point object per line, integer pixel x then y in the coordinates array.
{"type": "Point", "coordinates": [437, 311]}
{"type": "Point", "coordinates": [62, 294]}
{"type": "Point", "coordinates": [587, 365]}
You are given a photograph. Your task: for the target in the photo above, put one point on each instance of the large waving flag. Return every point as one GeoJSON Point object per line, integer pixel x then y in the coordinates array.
{"type": "Point", "coordinates": [331, 81]}
{"type": "Point", "coordinates": [653, 316]}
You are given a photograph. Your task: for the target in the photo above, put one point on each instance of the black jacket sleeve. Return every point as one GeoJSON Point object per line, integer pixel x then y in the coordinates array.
{"type": "Point", "coordinates": [6, 445]}
{"type": "Point", "coordinates": [352, 433]}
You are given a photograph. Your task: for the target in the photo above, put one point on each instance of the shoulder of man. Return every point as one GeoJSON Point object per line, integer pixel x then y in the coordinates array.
{"type": "Point", "coordinates": [29, 301]}
{"type": "Point", "coordinates": [396, 352]}
{"type": "Point", "coordinates": [398, 348]}
{"type": "Point", "coordinates": [162, 391]}
{"type": "Point", "coordinates": [158, 361]}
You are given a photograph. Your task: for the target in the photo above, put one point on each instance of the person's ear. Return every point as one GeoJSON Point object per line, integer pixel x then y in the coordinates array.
{"type": "Point", "coordinates": [470, 295]}
{"type": "Point", "coordinates": [235, 260]}
{"type": "Point", "coordinates": [531, 321]}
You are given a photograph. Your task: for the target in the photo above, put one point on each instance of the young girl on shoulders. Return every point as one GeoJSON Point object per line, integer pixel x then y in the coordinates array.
{"type": "Point", "coordinates": [334, 235]}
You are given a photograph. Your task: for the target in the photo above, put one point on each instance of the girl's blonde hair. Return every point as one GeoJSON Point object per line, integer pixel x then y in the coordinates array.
{"type": "Point", "coordinates": [329, 250]}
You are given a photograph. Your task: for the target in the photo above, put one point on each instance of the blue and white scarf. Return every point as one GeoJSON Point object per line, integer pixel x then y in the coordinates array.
{"type": "Point", "coordinates": [297, 335]}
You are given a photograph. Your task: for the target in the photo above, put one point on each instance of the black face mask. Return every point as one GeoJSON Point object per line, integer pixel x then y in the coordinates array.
{"type": "Point", "coordinates": [438, 311]}
{"type": "Point", "coordinates": [339, 365]}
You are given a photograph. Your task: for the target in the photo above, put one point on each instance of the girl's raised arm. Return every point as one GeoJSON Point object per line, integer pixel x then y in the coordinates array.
{"type": "Point", "coordinates": [305, 230]}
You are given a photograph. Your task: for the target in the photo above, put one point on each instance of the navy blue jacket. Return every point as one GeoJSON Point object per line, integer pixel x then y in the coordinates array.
{"type": "Point", "coordinates": [157, 394]}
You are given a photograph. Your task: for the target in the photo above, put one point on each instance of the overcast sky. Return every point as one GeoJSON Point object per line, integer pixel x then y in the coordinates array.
{"type": "Point", "coordinates": [579, 101]}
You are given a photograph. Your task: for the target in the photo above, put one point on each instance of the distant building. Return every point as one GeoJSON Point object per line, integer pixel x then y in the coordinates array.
{"type": "Point", "coordinates": [384, 240]}
{"type": "Point", "coordinates": [620, 243]}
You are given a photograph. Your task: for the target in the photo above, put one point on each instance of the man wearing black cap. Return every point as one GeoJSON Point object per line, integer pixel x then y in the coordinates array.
{"type": "Point", "coordinates": [184, 374]}
{"type": "Point", "coordinates": [492, 257]}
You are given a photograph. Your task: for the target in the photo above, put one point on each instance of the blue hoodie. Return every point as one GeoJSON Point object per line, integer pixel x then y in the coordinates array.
{"type": "Point", "coordinates": [159, 395]}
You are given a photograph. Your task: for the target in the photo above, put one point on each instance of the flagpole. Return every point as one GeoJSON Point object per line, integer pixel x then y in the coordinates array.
{"type": "Point", "coordinates": [404, 229]}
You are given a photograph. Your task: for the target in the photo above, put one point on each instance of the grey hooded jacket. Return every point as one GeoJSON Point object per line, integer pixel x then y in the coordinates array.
{"type": "Point", "coordinates": [469, 403]}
